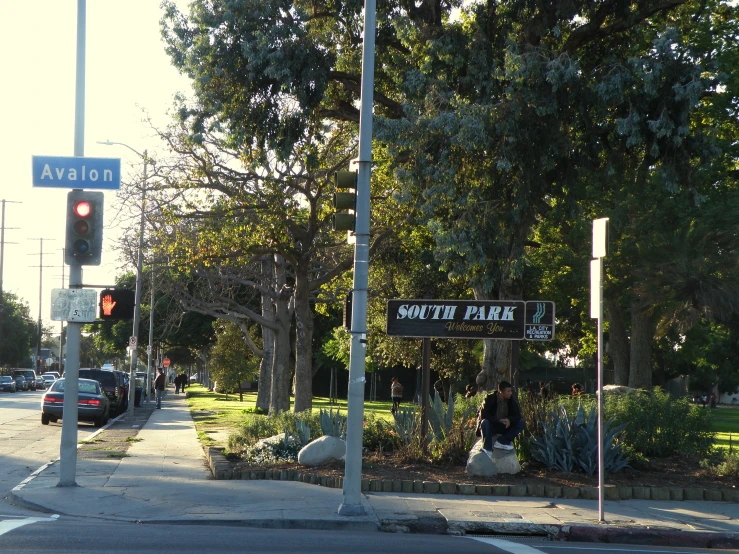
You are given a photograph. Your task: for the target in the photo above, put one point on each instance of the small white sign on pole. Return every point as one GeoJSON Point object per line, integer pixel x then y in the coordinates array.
{"type": "Point", "coordinates": [595, 289]}
{"type": "Point", "coordinates": [77, 305]}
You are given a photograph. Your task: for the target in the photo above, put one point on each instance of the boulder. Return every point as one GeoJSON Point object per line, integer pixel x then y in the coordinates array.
{"type": "Point", "coordinates": [618, 389]}
{"type": "Point", "coordinates": [322, 450]}
{"type": "Point", "coordinates": [276, 440]}
{"type": "Point", "coordinates": [503, 461]}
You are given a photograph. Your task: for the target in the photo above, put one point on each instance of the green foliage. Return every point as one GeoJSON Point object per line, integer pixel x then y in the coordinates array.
{"type": "Point", "coordinates": [378, 435]}
{"type": "Point", "coordinates": [232, 362]}
{"type": "Point", "coordinates": [254, 428]}
{"type": "Point", "coordinates": [725, 464]}
{"type": "Point", "coordinates": [333, 424]}
{"type": "Point", "coordinates": [17, 333]}
{"type": "Point", "coordinates": [659, 425]}
{"type": "Point", "coordinates": [569, 442]}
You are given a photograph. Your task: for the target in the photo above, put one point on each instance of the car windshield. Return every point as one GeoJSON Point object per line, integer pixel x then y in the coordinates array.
{"type": "Point", "coordinates": [105, 378]}
{"type": "Point", "coordinates": [19, 377]}
{"type": "Point", "coordinates": [6, 379]}
{"type": "Point", "coordinates": [85, 385]}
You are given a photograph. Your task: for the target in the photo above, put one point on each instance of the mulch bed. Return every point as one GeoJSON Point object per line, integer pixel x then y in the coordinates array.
{"type": "Point", "coordinates": [679, 471]}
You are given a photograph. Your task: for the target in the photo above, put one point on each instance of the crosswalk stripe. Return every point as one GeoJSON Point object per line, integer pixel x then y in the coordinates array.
{"type": "Point", "coordinates": [509, 546]}
{"type": "Point", "coordinates": [8, 525]}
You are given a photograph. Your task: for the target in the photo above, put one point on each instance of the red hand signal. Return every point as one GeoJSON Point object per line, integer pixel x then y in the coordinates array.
{"type": "Point", "coordinates": [108, 305]}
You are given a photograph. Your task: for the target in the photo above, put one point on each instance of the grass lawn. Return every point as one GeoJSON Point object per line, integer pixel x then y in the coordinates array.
{"type": "Point", "coordinates": [217, 415]}
{"type": "Point", "coordinates": [725, 423]}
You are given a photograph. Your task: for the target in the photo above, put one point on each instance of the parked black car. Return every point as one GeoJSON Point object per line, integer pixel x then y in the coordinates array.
{"type": "Point", "coordinates": [29, 375]}
{"type": "Point", "coordinates": [7, 383]}
{"type": "Point", "coordinates": [20, 382]}
{"type": "Point", "coordinates": [112, 384]}
{"type": "Point", "coordinates": [92, 404]}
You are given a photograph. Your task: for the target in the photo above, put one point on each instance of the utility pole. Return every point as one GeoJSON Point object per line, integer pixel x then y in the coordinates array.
{"type": "Point", "coordinates": [41, 267]}
{"type": "Point", "coordinates": [149, 374]}
{"type": "Point", "coordinates": [61, 323]}
{"type": "Point", "coordinates": [352, 499]}
{"type": "Point", "coordinates": [137, 305]}
{"type": "Point", "coordinates": [68, 449]}
{"type": "Point", "coordinates": [2, 256]}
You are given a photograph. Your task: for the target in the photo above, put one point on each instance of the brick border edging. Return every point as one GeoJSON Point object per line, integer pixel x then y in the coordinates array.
{"type": "Point", "coordinates": [222, 469]}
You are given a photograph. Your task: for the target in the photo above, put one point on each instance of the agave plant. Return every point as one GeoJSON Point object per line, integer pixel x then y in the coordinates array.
{"type": "Point", "coordinates": [332, 424]}
{"type": "Point", "coordinates": [570, 441]}
{"type": "Point", "coordinates": [406, 423]}
{"type": "Point", "coordinates": [440, 420]}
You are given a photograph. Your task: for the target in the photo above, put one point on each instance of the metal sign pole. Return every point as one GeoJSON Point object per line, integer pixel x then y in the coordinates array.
{"type": "Point", "coordinates": [600, 249]}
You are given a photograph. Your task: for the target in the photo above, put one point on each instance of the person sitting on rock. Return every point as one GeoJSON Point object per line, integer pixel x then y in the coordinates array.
{"type": "Point", "coordinates": [499, 414]}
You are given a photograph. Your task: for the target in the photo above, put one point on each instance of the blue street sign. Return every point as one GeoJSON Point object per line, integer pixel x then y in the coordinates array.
{"type": "Point", "coordinates": [76, 173]}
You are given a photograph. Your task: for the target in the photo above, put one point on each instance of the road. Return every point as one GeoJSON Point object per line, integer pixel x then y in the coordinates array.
{"type": "Point", "coordinates": [25, 444]}
{"type": "Point", "coordinates": [67, 535]}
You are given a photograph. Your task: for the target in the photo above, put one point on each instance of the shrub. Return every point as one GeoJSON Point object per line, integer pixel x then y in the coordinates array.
{"type": "Point", "coordinates": [658, 425]}
{"type": "Point", "coordinates": [378, 435]}
{"type": "Point", "coordinates": [726, 464]}
{"type": "Point", "coordinates": [256, 427]}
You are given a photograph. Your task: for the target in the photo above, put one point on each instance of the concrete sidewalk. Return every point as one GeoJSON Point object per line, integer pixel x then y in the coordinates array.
{"type": "Point", "coordinates": [165, 479]}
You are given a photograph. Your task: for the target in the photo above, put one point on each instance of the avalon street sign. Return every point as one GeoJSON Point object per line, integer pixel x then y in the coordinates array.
{"type": "Point", "coordinates": [456, 319]}
{"type": "Point", "coordinates": [76, 173]}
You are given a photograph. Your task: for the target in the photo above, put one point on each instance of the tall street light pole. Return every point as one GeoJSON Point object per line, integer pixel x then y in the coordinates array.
{"type": "Point", "coordinates": [352, 498]}
{"type": "Point", "coordinates": [139, 263]}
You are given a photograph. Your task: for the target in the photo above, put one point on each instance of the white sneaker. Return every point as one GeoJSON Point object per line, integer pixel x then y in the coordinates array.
{"type": "Point", "coordinates": [488, 452]}
{"type": "Point", "coordinates": [503, 446]}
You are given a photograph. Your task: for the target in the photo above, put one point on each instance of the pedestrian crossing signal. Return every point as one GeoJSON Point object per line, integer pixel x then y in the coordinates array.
{"type": "Point", "coordinates": [117, 304]}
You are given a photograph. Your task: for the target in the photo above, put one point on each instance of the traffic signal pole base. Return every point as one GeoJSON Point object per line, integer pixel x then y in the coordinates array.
{"type": "Point", "coordinates": [352, 510]}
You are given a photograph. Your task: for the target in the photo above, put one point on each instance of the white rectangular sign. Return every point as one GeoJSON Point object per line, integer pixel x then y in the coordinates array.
{"type": "Point", "coordinates": [595, 289]}
{"type": "Point", "coordinates": [78, 305]}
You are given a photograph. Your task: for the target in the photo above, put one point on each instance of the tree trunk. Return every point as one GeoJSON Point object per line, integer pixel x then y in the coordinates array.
{"type": "Point", "coordinates": [642, 333]}
{"type": "Point", "coordinates": [496, 354]}
{"type": "Point", "coordinates": [268, 339]}
{"type": "Point", "coordinates": [618, 342]}
{"type": "Point", "coordinates": [279, 400]}
{"type": "Point", "coordinates": [303, 344]}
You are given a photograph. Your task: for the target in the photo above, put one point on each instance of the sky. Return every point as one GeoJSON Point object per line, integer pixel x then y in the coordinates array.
{"type": "Point", "coordinates": [128, 76]}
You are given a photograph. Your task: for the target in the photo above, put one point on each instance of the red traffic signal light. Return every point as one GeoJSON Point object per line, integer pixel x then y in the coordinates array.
{"type": "Point", "coordinates": [82, 208]}
{"type": "Point", "coordinates": [84, 239]}
{"type": "Point", "coordinates": [117, 304]}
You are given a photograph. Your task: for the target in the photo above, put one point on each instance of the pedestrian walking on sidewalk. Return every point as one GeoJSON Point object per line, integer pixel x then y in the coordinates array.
{"type": "Point", "coordinates": [499, 414]}
{"type": "Point", "coordinates": [159, 384]}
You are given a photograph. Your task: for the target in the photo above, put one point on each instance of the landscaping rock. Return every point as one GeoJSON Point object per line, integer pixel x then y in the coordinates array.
{"type": "Point", "coordinates": [276, 440]}
{"type": "Point", "coordinates": [321, 450]}
{"type": "Point", "coordinates": [480, 465]}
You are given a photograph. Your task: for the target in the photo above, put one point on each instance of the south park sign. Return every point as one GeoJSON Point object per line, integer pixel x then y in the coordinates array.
{"type": "Point", "coordinates": [471, 319]}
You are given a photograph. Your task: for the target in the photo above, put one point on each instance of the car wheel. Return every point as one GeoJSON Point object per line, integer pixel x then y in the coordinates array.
{"type": "Point", "coordinates": [44, 419]}
{"type": "Point", "coordinates": [99, 422]}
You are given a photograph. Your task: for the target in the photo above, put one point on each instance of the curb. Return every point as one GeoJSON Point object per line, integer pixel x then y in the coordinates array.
{"type": "Point", "coordinates": [651, 537]}
{"type": "Point", "coordinates": [223, 470]}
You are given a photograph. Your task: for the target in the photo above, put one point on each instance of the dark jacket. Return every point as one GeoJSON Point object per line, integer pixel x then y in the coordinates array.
{"type": "Point", "coordinates": [159, 382]}
{"type": "Point", "coordinates": [489, 409]}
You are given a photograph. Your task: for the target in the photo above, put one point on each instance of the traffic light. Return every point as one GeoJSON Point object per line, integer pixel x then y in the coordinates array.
{"type": "Point", "coordinates": [345, 181]}
{"type": "Point", "coordinates": [84, 240]}
{"type": "Point", "coordinates": [117, 304]}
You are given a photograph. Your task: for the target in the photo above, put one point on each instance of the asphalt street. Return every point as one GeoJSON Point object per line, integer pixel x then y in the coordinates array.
{"type": "Point", "coordinates": [25, 444]}
{"type": "Point", "coordinates": [47, 534]}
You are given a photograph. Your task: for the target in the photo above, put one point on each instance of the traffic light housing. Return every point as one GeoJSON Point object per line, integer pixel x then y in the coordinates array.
{"type": "Point", "coordinates": [84, 238]}
{"type": "Point", "coordinates": [345, 198]}
{"type": "Point", "coordinates": [117, 304]}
